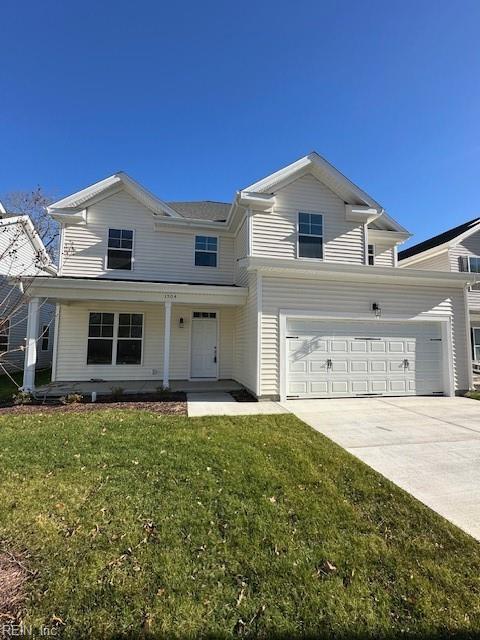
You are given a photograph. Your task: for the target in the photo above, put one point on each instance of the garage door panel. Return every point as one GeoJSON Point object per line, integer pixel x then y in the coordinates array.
{"type": "Point", "coordinates": [328, 359]}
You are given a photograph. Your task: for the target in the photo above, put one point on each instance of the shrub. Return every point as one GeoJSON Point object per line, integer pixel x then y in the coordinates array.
{"type": "Point", "coordinates": [22, 397]}
{"type": "Point", "coordinates": [71, 398]}
{"type": "Point", "coordinates": [117, 393]}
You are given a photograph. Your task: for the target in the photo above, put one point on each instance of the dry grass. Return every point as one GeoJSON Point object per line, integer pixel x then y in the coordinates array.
{"type": "Point", "coordinates": [13, 577]}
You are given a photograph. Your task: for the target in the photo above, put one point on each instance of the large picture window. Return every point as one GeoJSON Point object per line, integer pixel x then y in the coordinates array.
{"type": "Point", "coordinates": [206, 249]}
{"type": "Point", "coordinates": [4, 331]}
{"type": "Point", "coordinates": [310, 235]}
{"type": "Point", "coordinates": [115, 338]}
{"type": "Point", "coordinates": [120, 249]}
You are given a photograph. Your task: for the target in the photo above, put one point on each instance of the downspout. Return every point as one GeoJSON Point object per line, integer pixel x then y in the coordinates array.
{"type": "Point", "coordinates": [365, 243]}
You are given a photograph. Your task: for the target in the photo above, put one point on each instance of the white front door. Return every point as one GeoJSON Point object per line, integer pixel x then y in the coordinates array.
{"type": "Point", "coordinates": [204, 345]}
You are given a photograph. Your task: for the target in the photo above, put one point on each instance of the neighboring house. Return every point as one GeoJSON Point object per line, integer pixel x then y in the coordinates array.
{"type": "Point", "coordinates": [456, 250]}
{"type": "Point", "coordinates": [292, 290]}
{"type": "Point", "coordinates": [22, 254]}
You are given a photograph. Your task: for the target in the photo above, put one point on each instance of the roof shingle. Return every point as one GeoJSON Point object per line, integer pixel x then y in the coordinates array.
{"type": "Point", "coordinates": [436, 241]}
{"type": "Point", "coordinates": [202, 210]}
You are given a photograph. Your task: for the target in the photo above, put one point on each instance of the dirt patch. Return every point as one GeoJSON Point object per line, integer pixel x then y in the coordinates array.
{"type": "Point", "coordinates": [13, 578]}
{"type": "Point", "coordinates": [242, 395]}
{"type": "Point", "coordinates": [174, 404]}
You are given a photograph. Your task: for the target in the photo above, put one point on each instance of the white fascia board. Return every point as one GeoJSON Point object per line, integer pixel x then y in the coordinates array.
{"type": "Point", "coordinates": [257, 201]}
{"type": "Point", "coordinates": [387, 238]}
{"type": "Point", "coordinates": [295, 268]}
{"type": "Point", "coordinates": [75, 289]}
{"type": "Point", "coordinates": [360, 213]}
{"type": "Point", "coordinates": [103, 188]}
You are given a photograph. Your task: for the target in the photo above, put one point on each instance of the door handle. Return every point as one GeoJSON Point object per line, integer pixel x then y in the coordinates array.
{"type": "Point", "coordinates": [329, 364]}
{"type": "Point", "coordinates": [406, 364]}
{"type": "Point", "coordinates": [215, 354]}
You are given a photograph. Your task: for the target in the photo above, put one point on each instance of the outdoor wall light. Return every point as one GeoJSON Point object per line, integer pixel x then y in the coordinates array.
{"type": "Point", "coordinates": [181, 323]}
{"type": "Point", "coordinates": [376, 309]}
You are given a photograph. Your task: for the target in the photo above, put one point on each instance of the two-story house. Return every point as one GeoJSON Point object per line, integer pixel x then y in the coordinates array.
{"type": "Point", "coordinates": [291, 290]}
{"type": "Point", "coordinates": [22, 254]}
{"type": "Point", "coordinates": [453, 251]}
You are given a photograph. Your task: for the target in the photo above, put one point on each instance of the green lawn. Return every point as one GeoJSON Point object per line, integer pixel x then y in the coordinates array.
{"type": "Point", "coordinates": [7, 387]}
{"type": "Point", "coordinates": [223, 527]}
{"type": "Point", "coordinates": [475, 395]}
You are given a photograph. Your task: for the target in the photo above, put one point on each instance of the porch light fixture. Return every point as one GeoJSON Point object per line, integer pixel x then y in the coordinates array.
{"type": "Point", "coordinates": [376, 309]}
{"type": "Point", "coordinates": [181, 323]}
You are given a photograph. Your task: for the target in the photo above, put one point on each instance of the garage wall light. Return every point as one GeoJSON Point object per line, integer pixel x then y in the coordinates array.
{"type": "Point", "coordinates": [377, 310]}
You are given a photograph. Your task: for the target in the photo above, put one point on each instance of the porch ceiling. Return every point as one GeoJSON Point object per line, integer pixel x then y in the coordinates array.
{"type": "Point", "coordinates": [135, 291]}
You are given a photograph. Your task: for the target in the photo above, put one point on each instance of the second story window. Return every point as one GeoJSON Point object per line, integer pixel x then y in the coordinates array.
{"type": "Point", "coordinates": [474, 264]}
{"type": "Point", "coordinates": [120, 249]}
{"type": "Point", "coordinates": [206, 249]}
{"type": "Point", "coordinates": [371, 255]}
{"type": "Point", "coordinates": [310, 235]}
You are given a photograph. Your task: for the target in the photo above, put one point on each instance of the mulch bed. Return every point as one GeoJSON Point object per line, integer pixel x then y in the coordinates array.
{"type": "Point", "coordinates": [173, 404]}
{"type": "Point", "coordinates": [243, 396]}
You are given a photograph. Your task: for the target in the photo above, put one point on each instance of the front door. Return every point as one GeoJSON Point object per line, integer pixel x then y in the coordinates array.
{"type": "Point", "coordinates": [204, 345]}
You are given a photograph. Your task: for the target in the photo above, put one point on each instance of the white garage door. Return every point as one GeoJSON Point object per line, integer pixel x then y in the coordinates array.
{"type": "Point", "coordinates": [340, 359]}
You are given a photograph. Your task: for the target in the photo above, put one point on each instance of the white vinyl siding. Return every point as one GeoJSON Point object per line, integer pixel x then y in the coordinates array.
{"type": "Point", "coordinates": [440, 262]}
{"type": "Point", "coordinates": [275, 233]}
{"type": "Point", "coordinates": [73, 336]}
{"type": "Point", "coordinates": [470, 247]}
{"type": "Point", "coordinates": [18, 328]}
{"type": "Point", "coordinates": [246, 323]}
{"type": "Point", "coordinates": [241, 251]}
{"type": "Point", "coordinates": [343, 299]}
{"type": "Point", "coordinates": [384, 256]}
{"type": "Point", "coordinates": [162, 254]}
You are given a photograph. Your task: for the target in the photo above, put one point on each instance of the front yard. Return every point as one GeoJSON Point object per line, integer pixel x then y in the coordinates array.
{"type": "Point", "coordinates": [135, 523]}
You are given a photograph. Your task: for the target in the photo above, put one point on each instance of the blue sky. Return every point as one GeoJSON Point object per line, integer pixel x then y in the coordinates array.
{"type": "Point", "coordinates": [198, 99]}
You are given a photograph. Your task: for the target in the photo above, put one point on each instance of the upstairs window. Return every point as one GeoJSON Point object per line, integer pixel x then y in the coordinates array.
{"type": "Point", "coordinates": [206, 249]}
{"type": "Point", "coordinates": [474, 264]}
{"type": "Point", "coordinates": [371, 255]}
{"type": "Point", "coordinates": [310, 235]}
{"type": "Point", "coordinates": [45, 337]}
{"type": "Point", "coordinates": [4, 332]}
{"type": "Point", "coordinates": [120, 249]}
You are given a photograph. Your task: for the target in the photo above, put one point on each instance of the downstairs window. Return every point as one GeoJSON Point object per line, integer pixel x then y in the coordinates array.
{"type": "Point", "coordinates": [115, 338]}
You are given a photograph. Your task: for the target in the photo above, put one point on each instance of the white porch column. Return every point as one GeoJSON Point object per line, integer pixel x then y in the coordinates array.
{"type": "Point", "coordinates": [166, 345]}
{"type": "Point", "coordinates": [31, 345]}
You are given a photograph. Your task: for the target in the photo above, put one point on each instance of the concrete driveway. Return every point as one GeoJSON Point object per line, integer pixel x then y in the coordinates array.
{"type": "Point", "coordinates": [428, 446]}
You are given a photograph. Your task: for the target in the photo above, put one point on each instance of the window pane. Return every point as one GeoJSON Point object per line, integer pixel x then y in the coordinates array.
{"type": "Point", "coordinates": [205, 259]}
{"type": "Point", "coordinates": [135, 332]}
{"type": "Point", "coordinates": [114, 233]}
{"type": "Point", "coordinates": [129, 352]}
{"type": "Point", "coordinates": [137, 318]}
{"type": "Point", "coordinates": [127, 234]}
{"type": "Point", "coordinates": [124, 331]}
{"type": "Point", "coordinates": [95, 318]}
{"type": "Point", "coordinates": [200, 242]}
{"type": "Point", "coordinates": [303, 228]}
{"type": "Point", "coordinates": [310, 247]}
{"type": "Point", "coordinates": [212, 244]}
{"type": "Point", "coordinates": [124, 319]}
{"type": "Point", "coordinates": [304, 218]}
{"type": "Point", "coordinates": [94, 331]}
{"type": "Point", "coordinates": [316, 229]}
{"type": "Point", "coordinates": [127, 244]}
{"type": "Point", "coordinates": [475, 265]}
{"type": "Point", "coordinates": [119, 259]}
{"type": "Point", "coordinates": [99, 352]}
{"type": "Point", "coordinates": [114, 243]}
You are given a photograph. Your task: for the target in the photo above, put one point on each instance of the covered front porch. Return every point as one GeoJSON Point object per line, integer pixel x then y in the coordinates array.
{"type": "Point", "coordinates": [137, 336]}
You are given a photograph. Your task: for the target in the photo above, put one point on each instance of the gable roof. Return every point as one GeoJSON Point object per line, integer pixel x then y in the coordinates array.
{"type": "Point", "coordinates": [25, 225]}
{"type": "Point", "coordinates": [449, 237]}
{"type": "Point", "coordinates": [326, 173]}
{"type": "Point", "coordinates": [202, 210]}
{"type": "Point", "coordinates": [94, 192]}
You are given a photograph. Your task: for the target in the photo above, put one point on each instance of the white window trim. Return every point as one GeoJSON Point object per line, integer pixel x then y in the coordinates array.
{"type": "Point", "coordinates": [371, 254]}
{"type": "Point", "coordinates": [45, 327]}
{"type": "Point", "coordinates": [107, 268]}
{"type": "Point", "coordinates": [316, 213]}
{"type": "Point", "coordinates": [204, 235]}
{"type": "Point", "coordinates": [470, 265]}
{"type": "Point", "coordinates": [474, 344]}
{"type": "Point", "coordinates": [8, 334]}
{"type": "Point", "coordinates": [115, 339]}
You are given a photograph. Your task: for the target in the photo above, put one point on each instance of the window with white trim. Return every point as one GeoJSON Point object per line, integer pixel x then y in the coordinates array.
{"type": "Point", "coordinates": [45, 336]}
{"type": "Point", "coordinates": [115, 338]}
{"type": "Point", "coordinates": [371, 255]}
{"type": "Point", "coordinates": [206, 249]}
{"type": "Point", "coordinates": [310, 235]}
{"type": "Point", "coordinates": [474, 264]}
{"type": "Point", "coordinates": [120, 249]}
{"type": "Point", "coordinates": [4, 333]}
{"type": "Point", "coordinates": [476, 343]}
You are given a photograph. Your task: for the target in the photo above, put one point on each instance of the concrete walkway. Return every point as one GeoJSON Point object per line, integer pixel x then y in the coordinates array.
{"type": "Point", "coordinates": [428, 446]}
{"type": "Point", "coordinates": [223, 404]}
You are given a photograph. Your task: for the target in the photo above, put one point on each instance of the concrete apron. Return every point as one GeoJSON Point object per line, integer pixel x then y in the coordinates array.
{"type": "Point", "coordinates": [223, 404]}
